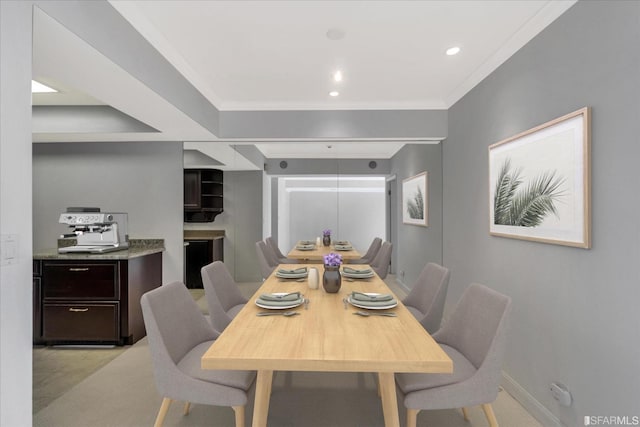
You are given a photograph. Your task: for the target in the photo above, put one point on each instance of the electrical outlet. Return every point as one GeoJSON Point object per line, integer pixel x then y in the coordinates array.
{"type": "Point", "coordinates": [401, 274]}
{"type": "Point", "coordinates": [561, 394]}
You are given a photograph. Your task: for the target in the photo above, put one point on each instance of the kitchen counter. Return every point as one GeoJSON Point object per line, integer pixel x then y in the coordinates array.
{"type": "Point", "coordinates": [137, 248]}
{"type": "Point", "coordinates": [203, 234]}
{"type": "Point", "coordinates": [84, 298]}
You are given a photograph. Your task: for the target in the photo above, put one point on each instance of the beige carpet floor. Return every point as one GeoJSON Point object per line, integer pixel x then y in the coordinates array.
{"type": "Point", "coordinates": [120, 392]}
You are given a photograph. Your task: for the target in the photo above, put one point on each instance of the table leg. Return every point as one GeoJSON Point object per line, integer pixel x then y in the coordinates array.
{"type": "Point", "coordinates": [263, 393]}
{"type": "Point", "coordinates": [389, 399]}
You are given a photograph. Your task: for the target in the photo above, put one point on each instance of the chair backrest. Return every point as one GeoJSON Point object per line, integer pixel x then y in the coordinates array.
{"type": "Point", "coordinates": [274, 247]}
{"type": "Point", "coordinates": [373, 249]}
{"type": "Point", "coordinates": [271, 256]}
{"type": "Point", "coordinates": [380, 263]}
{"type": "Point", "coordinates": [477, 327]}
{"type": "Point", "coordinates": [428, 295]}
{"type": "Point", "coordinates": [222, 293]}
{"type": "Point", "coordinates": [265, 267]}
{"type": "Point", "coordinates": [174, 326]}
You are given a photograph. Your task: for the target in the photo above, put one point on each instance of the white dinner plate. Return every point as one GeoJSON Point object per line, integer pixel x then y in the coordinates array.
{"type": "Point", "coordinates": [391, 304]}
{"type": "Point", "coordinates": [343, 248]}
{"type": "Point", "coordinates": [293, 304]}
{"type": "Point", "coordinates": [305, 248]}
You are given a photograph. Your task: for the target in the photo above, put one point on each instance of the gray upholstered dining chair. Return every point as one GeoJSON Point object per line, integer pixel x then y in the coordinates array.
{"type": "Point", "coordinates": [222, 293]}
{"type": "Point", "coordinates": [427, 296]}
{"type": "Point", "coordinates": [368, 257]}
{"type": "Point", "coordinates": [380, 263]}
{"type": "Point", "coordinates": [266, 265]}
{"type": "Point", "coordinates": [275, 250]}
{"type": "Point", "coordinates": [179, 335]}
{"type": "Point", "coordinates": [474, 337]}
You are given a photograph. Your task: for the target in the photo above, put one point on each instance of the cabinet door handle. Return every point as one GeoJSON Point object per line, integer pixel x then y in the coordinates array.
{"type": "Point", "coordinates": [78, 310]}
{"type": "Point", "coordinates": [79, 269]}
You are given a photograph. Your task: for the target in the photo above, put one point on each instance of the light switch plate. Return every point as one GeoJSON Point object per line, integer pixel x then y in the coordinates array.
{"type": "Point", "coordinates": [9, 249]}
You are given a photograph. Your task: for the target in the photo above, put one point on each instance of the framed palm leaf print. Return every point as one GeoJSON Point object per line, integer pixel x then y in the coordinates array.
{"type": "Point", "coordinates": [415, 200]}
{"type": "Point", "coordinates": [540, 183]}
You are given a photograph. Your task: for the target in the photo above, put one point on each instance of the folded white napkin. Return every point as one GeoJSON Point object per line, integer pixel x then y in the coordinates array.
{"type": "Point", "coordinates": [299, 270]}
{"type": "Point", "coordinates": [356, 270]}
{"type": "Point", "coordinates": [292, 296]}
{"type": "Point", "coordinates": [360, 296]}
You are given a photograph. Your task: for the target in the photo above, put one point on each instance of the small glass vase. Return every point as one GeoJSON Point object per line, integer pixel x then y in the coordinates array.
{"type": "Point", "coordinates": [326, 240]}
{"type": "Point", "coordinates": [331, 279]}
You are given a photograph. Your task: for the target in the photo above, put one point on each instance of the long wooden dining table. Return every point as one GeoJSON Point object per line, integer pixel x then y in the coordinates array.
{"type": "Point", "coordinates": [326, 336]}
{"type": "Point", "coordinates": [319, 251]}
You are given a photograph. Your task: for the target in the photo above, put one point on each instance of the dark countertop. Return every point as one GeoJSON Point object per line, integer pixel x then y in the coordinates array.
{"type": "Point", "coordinates": [137, 248]}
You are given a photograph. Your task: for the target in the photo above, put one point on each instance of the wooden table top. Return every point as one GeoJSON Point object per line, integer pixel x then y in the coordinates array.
{"type": "Point", "coordinates": [326, 336]}
{"type": "Point", "coordinates": [320, 251]}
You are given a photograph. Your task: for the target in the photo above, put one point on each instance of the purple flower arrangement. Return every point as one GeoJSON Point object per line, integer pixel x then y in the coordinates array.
{"type": "Point", "coordinates": [326, 232]}
{"type": "Point", "coordinates": [333, 259]}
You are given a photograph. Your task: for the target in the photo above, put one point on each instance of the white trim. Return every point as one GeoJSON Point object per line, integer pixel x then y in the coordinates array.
{"type": "Point", "coordinates": [535, 408]}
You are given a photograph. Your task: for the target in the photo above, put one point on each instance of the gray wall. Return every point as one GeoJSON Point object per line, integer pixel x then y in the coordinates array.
{"type": "Point", "coordinates": [140, 178]}
{"type": "Point", "coordinates": [575, 318]}
{"type": "Point", "coordinates": [414, 246]}
{"type": "Point", "coordinates": [242, 223]}
{"type": "Point", "coordinates": [334, 124]}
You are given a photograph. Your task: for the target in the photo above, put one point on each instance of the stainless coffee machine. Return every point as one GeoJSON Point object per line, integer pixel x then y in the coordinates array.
{"type": "Point", "coordinates": [95, 232]}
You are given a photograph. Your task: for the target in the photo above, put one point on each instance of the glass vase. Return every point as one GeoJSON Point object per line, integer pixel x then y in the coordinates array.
{"type": "Point", "coordinates": [331, 279]}
{"type": "Point", "coordinates": [326, 240]}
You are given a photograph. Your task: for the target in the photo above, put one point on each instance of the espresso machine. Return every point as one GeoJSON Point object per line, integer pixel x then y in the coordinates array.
{"type": "Point", "coordinates": [95, 232]}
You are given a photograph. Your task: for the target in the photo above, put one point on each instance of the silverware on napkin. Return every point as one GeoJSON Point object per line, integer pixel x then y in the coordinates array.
{"type": "Point", "coordinates": [367, 314]}
{"type": "Point", "coordinates": [277, 313]}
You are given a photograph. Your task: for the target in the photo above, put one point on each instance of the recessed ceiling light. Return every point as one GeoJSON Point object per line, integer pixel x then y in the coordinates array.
{"type": "Point", "coordinates": [337, 76]}
{"type": "Point", "coordinates": [335, 34]}
{"type": "Point", "coordinates": [37, 87]}
{"type": "Point", "coordinates": [334, 93]}
{"type": "Point", "coordinates": [453, 50]}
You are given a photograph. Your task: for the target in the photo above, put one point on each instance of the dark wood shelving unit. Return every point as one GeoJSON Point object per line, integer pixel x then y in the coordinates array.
{"type": "Point", "coordinates": [203, 194]}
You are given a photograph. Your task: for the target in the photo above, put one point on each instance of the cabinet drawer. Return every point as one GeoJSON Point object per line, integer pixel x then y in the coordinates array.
{"type": "Point", "coordinates": [81, 281]}
{"type": "Point", "coordinates": [81, 322]}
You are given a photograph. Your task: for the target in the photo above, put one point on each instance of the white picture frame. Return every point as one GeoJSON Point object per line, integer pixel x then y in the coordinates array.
{"type": "Point", "coordinates": [415, 200]}
{"type": "Point", "coordinates": [540, 183]}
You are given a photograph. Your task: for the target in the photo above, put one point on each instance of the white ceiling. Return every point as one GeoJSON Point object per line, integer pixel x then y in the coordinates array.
{"type": "Point", "coordinates": [265, 55]}
{"type": "Point", "coordinates": [275, 55]}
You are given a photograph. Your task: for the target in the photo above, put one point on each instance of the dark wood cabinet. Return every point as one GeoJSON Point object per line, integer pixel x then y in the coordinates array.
{"type": "Point", "coordinates": [192, 199]}
{"type": "Point", "coordinates": [37, 300]}
{"type": "Point", "coordinates": [198, 253]}
{"type": "Point", "coordinates": [203, 194]}
{"type": "Point", "coordinates": [91, 322]}
{"type": "Point", "coordinates": [92, 301]}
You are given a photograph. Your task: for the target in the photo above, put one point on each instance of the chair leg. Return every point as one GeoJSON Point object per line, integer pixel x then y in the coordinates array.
{"type": "Point", "coordinates": [166, 402]}
{"type": "Point", "coordinates": [465, 414]}
{"type": "Point", "coordinates": [239, 410]}
{"type": "Point", "coordinates": [491, 417]}
{"type": "Point", "coordinates": [412, 417]}
{"type": "Point", "coordinates": [187, 406]}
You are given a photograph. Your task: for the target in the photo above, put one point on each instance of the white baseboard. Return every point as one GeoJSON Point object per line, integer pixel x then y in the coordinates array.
{"type": "Point", "coordinates": [535, 408]}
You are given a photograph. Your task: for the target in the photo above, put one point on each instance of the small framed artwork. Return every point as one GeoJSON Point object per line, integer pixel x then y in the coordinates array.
{"type": "Point", "coordinates": [415, 200]}
{"type": "Point", "coordinates": [540, 183]}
